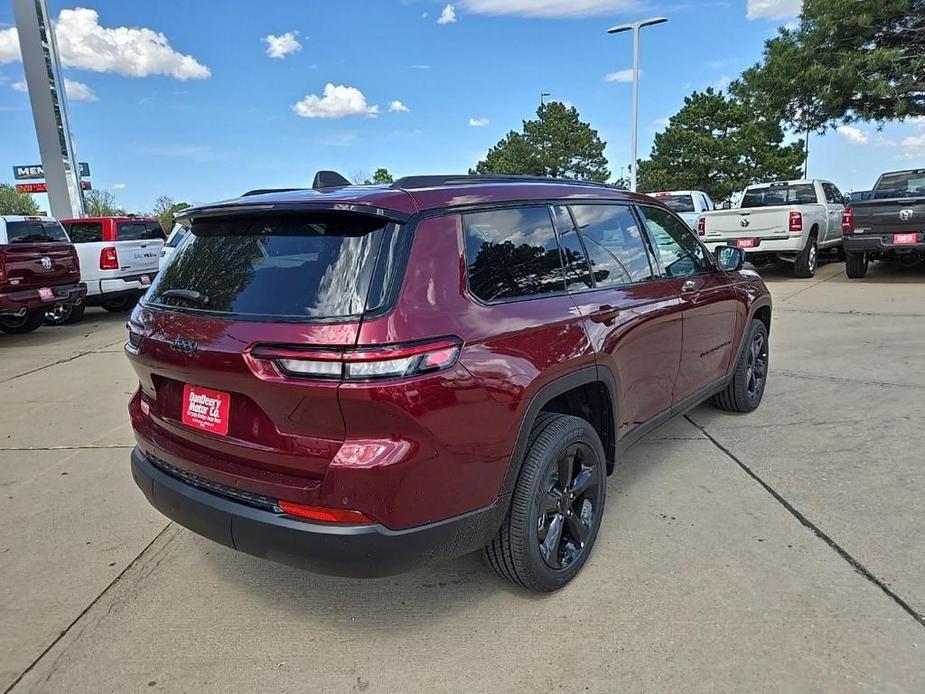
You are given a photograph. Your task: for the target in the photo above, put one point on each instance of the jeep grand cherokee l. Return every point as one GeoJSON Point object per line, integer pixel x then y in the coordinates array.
{"type": "Point", "coordinates": [361, 379]}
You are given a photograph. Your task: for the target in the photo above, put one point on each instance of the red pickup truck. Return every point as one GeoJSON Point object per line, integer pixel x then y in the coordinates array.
{"type": "Point", "coordinates": [39, 272]}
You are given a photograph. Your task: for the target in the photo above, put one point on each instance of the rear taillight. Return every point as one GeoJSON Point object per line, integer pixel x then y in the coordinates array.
{"type": "Point", "coordinates": [796, 222]}
{"type": "Point", "coordinates": [109, 259]}
{"type": "Point", "coordinates": [702, 227]}
{"type": "Point", "coordinates": [847, 221]}
{"type": "Point", "coordinates": [2, 268]}
{"type": "Point", "coordinates": [325, 514]}
{"type": "Point", "coordinates": [75, 258]}
{"type": "Point", "coordinates": [357, 364]}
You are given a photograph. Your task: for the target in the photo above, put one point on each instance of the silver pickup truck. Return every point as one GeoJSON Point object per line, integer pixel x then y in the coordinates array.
{"type": "Point", "coordinates": [788, 221]}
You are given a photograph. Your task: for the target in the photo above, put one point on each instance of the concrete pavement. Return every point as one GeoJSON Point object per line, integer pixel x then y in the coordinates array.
{"type": "Point", "coordinates": [779, 551]}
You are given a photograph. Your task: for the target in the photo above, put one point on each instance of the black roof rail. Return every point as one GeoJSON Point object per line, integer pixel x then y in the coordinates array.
{"type": "Point", "coordinates": [261, 191]}
{"type": "Point", "coordinates": [430, 181]}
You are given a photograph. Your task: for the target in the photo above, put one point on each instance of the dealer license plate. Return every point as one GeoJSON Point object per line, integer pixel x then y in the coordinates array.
{"type": "Point", "coordinates": [206, 409]}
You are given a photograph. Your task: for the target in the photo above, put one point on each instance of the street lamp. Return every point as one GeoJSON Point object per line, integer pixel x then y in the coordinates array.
{"type": "Point", "coordinates": [635, 27]}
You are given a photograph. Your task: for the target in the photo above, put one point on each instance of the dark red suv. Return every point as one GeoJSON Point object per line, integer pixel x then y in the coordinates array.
{"type": "Point", "coordinates": [360, 379]}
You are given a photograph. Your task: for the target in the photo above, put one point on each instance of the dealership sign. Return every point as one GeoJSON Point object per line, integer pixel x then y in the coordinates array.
{"type": "Point", "coordinates": [34, 171]}
{"type": "Point", "coordinates": [43, 187]}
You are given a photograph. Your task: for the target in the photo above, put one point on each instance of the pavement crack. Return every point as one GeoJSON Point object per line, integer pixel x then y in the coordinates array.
{"type": "Point", "coordinates": [843, 379]}
{"type": "Point", "coordinates": [813, 285]}
{"type": "Point", "coordinates": [816, 530]}
{"type": "Point", "coordinates": [64, 632]}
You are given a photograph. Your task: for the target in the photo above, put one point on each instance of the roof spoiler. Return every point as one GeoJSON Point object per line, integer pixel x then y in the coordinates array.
{"type": "Point", "coordinates": [329, 179]}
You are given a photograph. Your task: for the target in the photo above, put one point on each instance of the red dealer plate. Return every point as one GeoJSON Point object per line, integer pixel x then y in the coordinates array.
{"type": "Point", "coordinates": [745, 243]}
{"type": "Point", "coordinates": [905, 239]}
{"type": "Point", "coordinates": [145, 280]}
{"type": "Point", "coordinates": [46, 294]}
{"type": "Point", "coordinates": [206, 409]}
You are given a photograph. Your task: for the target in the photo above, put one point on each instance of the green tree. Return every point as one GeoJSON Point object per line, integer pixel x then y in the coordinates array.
{"type": "Point", "coordinates": [718, 145]}
{"type": "Point", "coordinates": [557, 144]}
{"type": "Point", "coordinates": [382, 176]}
{"type": "Point", "coordinates": [14, 202]}
{"type": "Point", "coordinates": [848, 60]}
{"type": "Point", "coordinates": [164, 209]}
{"type": "Point", "coordinates": [101, 203]}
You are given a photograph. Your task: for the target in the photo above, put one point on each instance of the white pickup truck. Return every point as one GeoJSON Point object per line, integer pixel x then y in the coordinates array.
{"type": "Point", "coordinates": [789, 221]}
{"type": "Point", "coordinates": [687, 204]}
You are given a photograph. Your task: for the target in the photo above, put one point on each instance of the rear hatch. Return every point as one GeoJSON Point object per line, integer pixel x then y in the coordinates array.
{"type": "Point", "coordinates": [239, 285]}
{"type": "Point", "coordinates": [139, 246]}
{"type": "Point", "coordinates": [38, 254]}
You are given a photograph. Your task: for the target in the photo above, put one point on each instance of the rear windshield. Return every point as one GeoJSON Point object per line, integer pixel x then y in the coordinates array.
{"type": "Point", "coordinates": [35, 231]}
{"type": "Point", "coordinates": [139, 231]}
{"type": "Point", "coordinates": [801, 194]}
{"type": "Point", "coordinates": [902, 184]}
{"type": "Point", "coordinates": [677, 203]}
{"type": "Point", "coordinates": [86, 232]}
{"type": "Point", "coordinates": [305, 266]}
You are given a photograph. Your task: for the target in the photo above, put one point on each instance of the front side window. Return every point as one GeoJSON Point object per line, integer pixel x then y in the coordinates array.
{"type": "Point", "coordinates": [615, 244]}
{"type": "Point", "coordinates": [680, 253]}
{"type": "Point", "coordinates": [512, 254]}
{"type": "Point", "coordinates": [86, 232]}
{"type": "Point", "coordinates": [299, 266]}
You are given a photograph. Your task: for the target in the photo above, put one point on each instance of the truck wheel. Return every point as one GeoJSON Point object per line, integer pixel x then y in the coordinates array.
{"type": "Point", "coordinates": [556, 508]}
{"type": "Point", "coordinates": [14, 325]}
{"type": "Point", "coordinates": [119, 304]}
{"type": "Point", "coordinates": [808, 260]}
{"type": "Point", "coordinates": [745, 390]}
{"type": "Point", "coordinates": [856, 265]}
{"type": "Point", "coordinates": [65, 314]}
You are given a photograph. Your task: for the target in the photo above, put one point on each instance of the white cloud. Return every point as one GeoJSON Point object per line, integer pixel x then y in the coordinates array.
{"type": "Point", "coordinates": [478, 122]}
{"type": "Point", "coordinates": [448, 16]}
{"type": "Point", "coordinates": [118, 186]}
{"type": "Point", "coordinates": [127, 51]}
{"type": "Point", "coordinates": [855, 136]}
{"type": "Point", "coordinates": [338, 101]}
{"type": "Point", "coordinates": [76, 91]}
{"type": "Point", "coordinates": [662, 122]}
{"type": "Point", "coordinates": [773, 9]}
{"type": "Point", "coordinates": [282, 45]}
{"type": "Point", "coordinates": [420, 67]}
{"type": "Point", "coordinates": [551, 8]}
{"type": "Point", "coordinates": [20, 86]}
{"type": "Point", "coordinates": [721, 84]}
{"type": "Point", "coordinates": [620, 75]}
{"type": "Point", "coordinates": [397, 106]}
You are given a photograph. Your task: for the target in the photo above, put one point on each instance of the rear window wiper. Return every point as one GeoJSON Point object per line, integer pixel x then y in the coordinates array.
{"type": "Point", "coordinates": [187, 295]}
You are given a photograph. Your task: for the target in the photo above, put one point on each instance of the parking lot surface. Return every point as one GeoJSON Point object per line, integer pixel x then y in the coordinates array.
{"type": "Point", "coordinates": [778, 551]}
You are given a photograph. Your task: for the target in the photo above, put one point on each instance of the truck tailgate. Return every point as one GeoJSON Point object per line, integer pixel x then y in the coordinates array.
{"type": "Point", "coordinates": [769, 222]}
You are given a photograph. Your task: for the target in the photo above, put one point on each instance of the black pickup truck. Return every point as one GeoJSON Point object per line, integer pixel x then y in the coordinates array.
{"type": "Point", "coordinates": [888, 225]}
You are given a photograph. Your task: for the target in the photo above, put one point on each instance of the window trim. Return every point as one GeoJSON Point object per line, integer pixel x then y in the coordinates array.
{"type": "Point", "coordinates": [711, 260]}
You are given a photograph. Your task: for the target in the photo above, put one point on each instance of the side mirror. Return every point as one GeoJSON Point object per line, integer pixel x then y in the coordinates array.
{"type": "Point", "coordinates": [730, 258]}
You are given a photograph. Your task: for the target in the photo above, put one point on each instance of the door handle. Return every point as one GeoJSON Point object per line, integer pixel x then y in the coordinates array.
{"type": "Point", "coordinates": [605, 314]}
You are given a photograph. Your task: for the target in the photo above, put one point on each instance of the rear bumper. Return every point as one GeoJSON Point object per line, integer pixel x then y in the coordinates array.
{"type": "Point", "coordinates": [29, 299]}
{"type": "Point", "coordinates": [790, 245]}
{"type": "Point", "coordinates": [130, 285]}
{"type": "Point", "coordinates": [362, 551]}
{"type": "Point", "coordinates": [881, 243]}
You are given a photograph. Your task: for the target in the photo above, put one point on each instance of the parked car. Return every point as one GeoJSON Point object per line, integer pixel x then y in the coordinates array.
{"type": "Point", "coordinates": [786, 220]}
{"type": "Point", "coordinates": [39, 272]}
{"type": "Point", "coordinates": [358, 380]}
{"type": "Point", "coordinates": [177, 235]}
{"type": "Point", "coordinates": [118, 257]}
{"type": "Point", "coordinates": [889, 225]}
{"type": "Point", "coordinates": [687, 204]}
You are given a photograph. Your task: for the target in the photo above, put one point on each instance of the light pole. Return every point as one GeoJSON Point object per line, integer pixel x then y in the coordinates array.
{"type": "Point", "coordinates": [635, 27]}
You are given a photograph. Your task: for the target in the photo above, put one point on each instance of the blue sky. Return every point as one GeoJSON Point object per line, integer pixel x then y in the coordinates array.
{"type": "Point", "coordinates": [228, 117]}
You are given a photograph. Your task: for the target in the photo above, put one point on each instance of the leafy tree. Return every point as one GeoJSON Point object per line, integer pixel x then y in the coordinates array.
{"type": "Point", "coordinates": [165, 208]}
{"type": "Point", "coordinates": [14, 202]}
{"type": "Point", "coordinates": [718, 145]}
{"type": "Point", "coordinates": [101, 203]}
{"type": "Point", "coordinates": [556, 144]}
{"type": "Point", "coordinates": [848, 60]}
{"type": "Point", "coordinates": [382, 176]}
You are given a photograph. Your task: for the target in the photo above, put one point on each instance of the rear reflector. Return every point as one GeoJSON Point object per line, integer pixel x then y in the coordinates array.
{"type": "Point", "coordinates": [325, 515]}
{"type": "Point", "coordinates": [796, 222]}
{"type": "Point", "coordinates": [361, 363]}
{"type": "Point", "coordinates": [702, 227]}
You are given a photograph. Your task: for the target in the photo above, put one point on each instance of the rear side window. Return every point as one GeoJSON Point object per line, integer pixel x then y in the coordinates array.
{"type": "Point", "coordinates": [86, 232]}
{"type": "Point", "coordinates": [614, 243]}
{"type": "Point", "coordinates": [512, 254]}
{"type": "Point", "coordinates": [137, 231]}
{"type": "Point", "coordinates": [35, 231]}
{"type": "Point", "coordinates": [305, 266]}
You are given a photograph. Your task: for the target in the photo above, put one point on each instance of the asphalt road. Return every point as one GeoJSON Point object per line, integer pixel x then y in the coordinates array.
{"type": "Point", "coordinates": [779, 551]}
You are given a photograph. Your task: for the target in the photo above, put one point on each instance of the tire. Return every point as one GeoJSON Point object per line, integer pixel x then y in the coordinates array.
{"type": "Point", "coordinates": [119, 304]}
{"type": "Point", "coordinates": [67, 314]}
{"type": "Point", "coordinates": [558, 445]}
{"type": "Point", "coordinates": [840, 254]}
{"type": "Point", "coordinates": [20, 326]}
{"type": "Point", "coordinates": [746, 389]}
{"type": "Point", "coordinates": [808, 260]}
{"type": "Point", "coordinates": [856, 265]}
